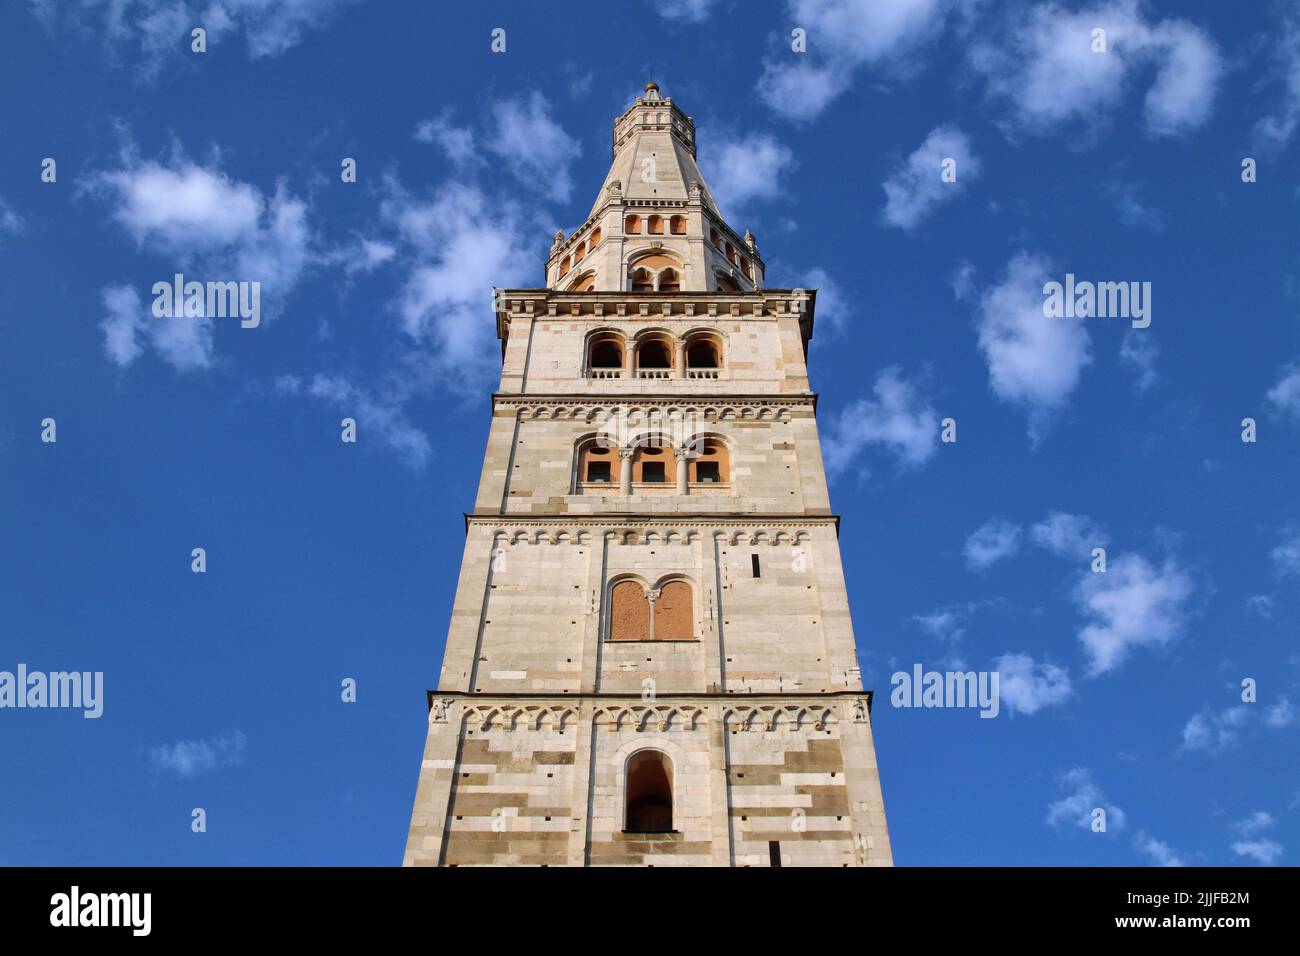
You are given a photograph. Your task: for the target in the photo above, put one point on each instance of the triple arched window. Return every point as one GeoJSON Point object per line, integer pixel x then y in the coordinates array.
{"type": "Point", "coordinates": [652, 465]}
{"type": "Point", "coordinates": [654, 353]}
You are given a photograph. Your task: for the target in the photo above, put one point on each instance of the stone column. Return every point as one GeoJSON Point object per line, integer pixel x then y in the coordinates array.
{"type": "Point", "coordinates": [625, 473]}
{"type": "Point", "coordinates": [683, 487]}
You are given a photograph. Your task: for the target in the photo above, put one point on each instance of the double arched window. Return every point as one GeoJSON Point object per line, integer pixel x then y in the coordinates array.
{"type": "Point", "coordinates": [655, 272]}
{"type": "Point", "coordinates": [665, 612]}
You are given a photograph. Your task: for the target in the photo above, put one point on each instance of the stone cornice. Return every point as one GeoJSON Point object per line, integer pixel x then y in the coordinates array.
{"type": "Point", "coordinates": [612, 305]}
{"type": "Point", "coordinates": [576, 404]}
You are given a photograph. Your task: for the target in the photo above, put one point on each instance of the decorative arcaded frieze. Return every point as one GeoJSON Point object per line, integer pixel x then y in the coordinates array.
{"type": "Point", "coordinates": [696, 408]}
{"type": "Point", "coordinates": [778, 717]}
{"type": "Point", "coordinates": [510, 530]}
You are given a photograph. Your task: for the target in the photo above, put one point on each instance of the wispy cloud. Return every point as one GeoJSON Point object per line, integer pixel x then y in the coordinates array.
{"type": "Point", "coordinates": [1034, 361]}
{"type": "Point", "coordinates": [533, 146]}
{"type": "Point", "coordinates": [899, 419]}
{"type": "Point", "coordinates": [1134, 604]}
{"type": "Point", "coordinates": [915, 191]}
{"type": "Point", "coordinates": [846, 36]}
{"type": "Point", "coordinates": [991, 542]}
{"type": "Point", "coordinates": [189, 758]}
{"type": "Point", "coordinates": [745, 170]}
{"type": "Point", "coordinates": [1157, 851]}
{"type": "Point", "coordinates": [1026, 686]}
{"type": "Point", "coordinates": [1068, 536]}
{"type": "Point", "coordinates": [152, 32]}
{"type": "Point", "coordinates": [195, 219]}
{"type": "Point", "coordinates": [1043, 65]}
{"type": "Point", "coordinates": [1080, 797]}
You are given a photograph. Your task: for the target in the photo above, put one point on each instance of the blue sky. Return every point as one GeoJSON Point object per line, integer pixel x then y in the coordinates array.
{"type": "Point", "coordinates": [1120, 690]}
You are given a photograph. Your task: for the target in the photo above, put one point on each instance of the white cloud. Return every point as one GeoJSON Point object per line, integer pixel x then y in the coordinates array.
{"type": "Point", "coordinates": [1068, 536]}
{"type": "Point", "coordinates": [1286, 556]}
{"type": "Point", "coordinates": [1278, 127]}
{"type": "Point", "coordinates": [188, 758]}
{"type": "Point", "coordinates": [455, 247]}
{"type": "Point", "coordinates": [1280, 714]}
{"type": "Point", "coordinates": [1261, 604]}
{"type": "Point", "coordinates": [843, 37]}
{"type": "Point", "coordinates": [1081, 796]}
{"type": "Point", "coordinates": [381, 414]}
{"type": "Point", "coordinates": [1159, 852]}
{"type": "Point", "coordinates": [832, 304]}
{"type": "Point", "coordinates": [533, 146]}
{"type": "Point", "coordinates": [747, 169]}
{"type": "Point", "coordinates": [1133, 604]}
{"type": "Point", "coordinates": [1035, 361]}
{"type": "Point", "coordinates": [1026, 687]}
{"type": "Point", "coordinates": [187, 208]}
{"type": "Point", "coordinates": [1045, 67]}
{"type": "Point", "coordinates": [197, 221]}
{"type": "Point", "coordinates": [161, 28]}
{"type": "Point", "coordinates": [992, 541]}
{"type": "Point", "coordinates": [184, 343]}
{"type": "Point", "coordinates": [943, 623]}
{"type": "Point", "coordinates": [1138, 350]}
{"type": "Point", "coordinates": [691, 11]}
{"type": "Point", "coordinates": [10, 221]}
{"type": "Point", "coordinates": [1253, 824]}
{"type": "Point", "coordinates": [1285, 395]}
{"type": "Point", "coordinates": [912, 193]}
{"type": "Point", "coordinates": [1264, 852]}
{"type": "Point", "coordinates": [457, 142]}
{"type": "Point", "coordinates": [899, 419]}
{"type": "Point", "coordinates": [1215, 732]}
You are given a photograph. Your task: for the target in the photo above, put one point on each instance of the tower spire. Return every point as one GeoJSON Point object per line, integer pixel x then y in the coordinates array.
{"type": "Point", "coordinates": [655, 203]}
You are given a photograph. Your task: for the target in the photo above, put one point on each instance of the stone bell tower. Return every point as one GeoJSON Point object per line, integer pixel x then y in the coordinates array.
{"type": "Point", "coordinates": [651, 659]}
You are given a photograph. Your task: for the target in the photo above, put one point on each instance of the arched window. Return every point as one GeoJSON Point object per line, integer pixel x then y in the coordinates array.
{"type": "Point", "coordinates": [731, 253]}
{"type": "Point", "coordinates": [579, 252]}
{"type": "Point", "coordinates": [632, 225]}
{"type": "Point", "coordinates": [709, 465]}
{"type": "Point", "coordinates": [649, 783]}
{"type": "Point", "coordinates": [703, 352]}
{"type": "Point", "coordinates": [655, 225]}
{"type": "Point", "coordinates": [726, 283]}
{"type": "Point", "coordinates": [597, 464]}
{"type": "Point", "coordinates": [585, 284]}
{"type": "Point", "coordinates": [744, 267]}
{"type": "Point", "coordinates": [594, 238]}
{"type": "Point", "coordinates": [564, 265]}
{"type": "Point", "coordinates": [715, 238]}
{"type": "Point", "coordinates": [677, 225]}
{"type": "Point", "coordinates": [654, 357]}
{"type": "Point", "coordinates": [670, 280]}
{"type": "Point", "coordinates": [653, 465]}
{"type": "Point", "coordinates": [605, 352]}
{"type": "Point", "coordinates": [642, 281]}
{"type": "Point", "coordinates": [672, 617]}
{"type": "Point", "coordinates": [629, 612]}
